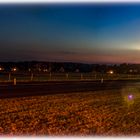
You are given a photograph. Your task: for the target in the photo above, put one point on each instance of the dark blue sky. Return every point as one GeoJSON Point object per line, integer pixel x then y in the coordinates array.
{"type": "Point", "coordinates": [88, 33]}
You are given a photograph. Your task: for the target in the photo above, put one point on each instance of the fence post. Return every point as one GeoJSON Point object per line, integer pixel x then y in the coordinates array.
{"type": "Point", "coordinates": [50, 75]}
{"type": "Point", "coordinates": [32, 76]}
{"type": "Point", "coordinates": [102, 80]}
{"type": "Point", "coordinates": [67, 75]}
{"type": "Point", "coordinates": [15, 81]}
{"type": "Point", "coordinates": [95, 76]}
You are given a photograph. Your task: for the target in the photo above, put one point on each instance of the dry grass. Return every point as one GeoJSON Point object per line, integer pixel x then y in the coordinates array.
{"type": "Point", "coordinates": [104, 113]}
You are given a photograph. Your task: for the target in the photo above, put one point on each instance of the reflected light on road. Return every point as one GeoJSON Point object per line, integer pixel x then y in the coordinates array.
{"type": "Point", "coordinates": [130, 97]}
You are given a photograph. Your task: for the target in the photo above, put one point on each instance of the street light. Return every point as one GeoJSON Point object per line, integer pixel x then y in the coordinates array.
{"type": "Point", "coordinates": [1, 68]}
{"type": "Point", "coordinates": [14, 69]}
{"type": "Point", "coordinates": [111, 72]}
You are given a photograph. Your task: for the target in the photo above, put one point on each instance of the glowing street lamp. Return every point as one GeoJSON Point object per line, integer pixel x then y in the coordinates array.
{"type": "Point", "coordinates": [111, 72]}
{"type": "Point", "coordinates": [1, 68]}
{"type": "Point", "coordinates": [14, 69]}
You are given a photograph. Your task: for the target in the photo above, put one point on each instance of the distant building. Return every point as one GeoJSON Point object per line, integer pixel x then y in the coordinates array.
{"type": "Point", "coordinates": [61, 69]}
{"type": "Point", "coordinates": [45, 70]}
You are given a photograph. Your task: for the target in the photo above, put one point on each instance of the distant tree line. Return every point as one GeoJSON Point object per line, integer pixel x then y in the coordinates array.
{"type": "Point", "coordinates": [36, 66]}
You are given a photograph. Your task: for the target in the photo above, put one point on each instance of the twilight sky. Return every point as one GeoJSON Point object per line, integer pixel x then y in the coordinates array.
{"type": "Point", "coordinates": [87, 33]}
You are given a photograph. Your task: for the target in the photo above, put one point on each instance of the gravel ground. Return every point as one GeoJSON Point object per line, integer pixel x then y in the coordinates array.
{"type": "Point", "coordinates": [98, 113]}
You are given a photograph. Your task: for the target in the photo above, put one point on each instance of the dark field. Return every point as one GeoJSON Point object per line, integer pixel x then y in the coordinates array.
{"type": "Point", "coordinates": [105, 112]}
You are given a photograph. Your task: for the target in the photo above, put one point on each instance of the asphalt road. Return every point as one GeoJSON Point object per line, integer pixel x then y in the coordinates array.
{"type": "Point", "coordinates": [46, 88]}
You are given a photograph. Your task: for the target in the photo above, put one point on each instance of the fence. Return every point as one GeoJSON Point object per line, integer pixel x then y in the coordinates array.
{"type": "Point", "coordinates": [5, 77]}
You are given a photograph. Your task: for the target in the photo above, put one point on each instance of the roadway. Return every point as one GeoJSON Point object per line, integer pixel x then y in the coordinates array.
{"type": "Point", "coordinates": [56, 87]}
